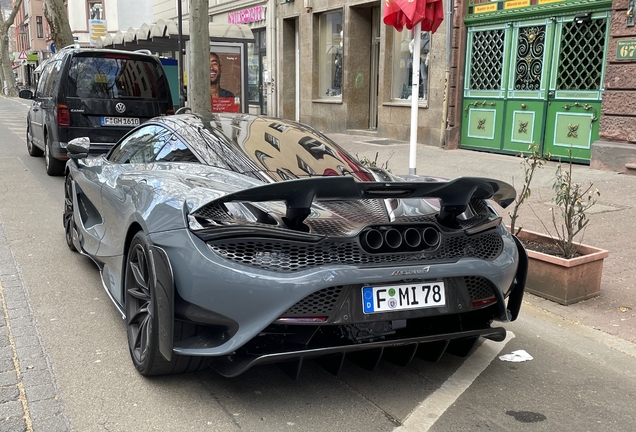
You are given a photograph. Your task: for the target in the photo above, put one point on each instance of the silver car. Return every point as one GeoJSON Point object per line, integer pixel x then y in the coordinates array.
{"type": "Point", "coordinates": [234, 240]}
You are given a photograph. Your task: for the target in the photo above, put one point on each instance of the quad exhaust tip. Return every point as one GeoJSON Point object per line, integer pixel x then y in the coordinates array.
{"type": "Point", "coordinates": [395, 240]}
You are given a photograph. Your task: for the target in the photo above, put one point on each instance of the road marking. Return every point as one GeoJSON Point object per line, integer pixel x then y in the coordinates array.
{"type": "Point", "coordinates": [429, 411]}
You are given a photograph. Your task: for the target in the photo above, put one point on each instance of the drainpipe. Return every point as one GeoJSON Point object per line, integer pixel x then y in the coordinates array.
{"type": "Point", "coordinates": [272, 54]}
{"type": "Point", "coordinates": [180, 56]}
{"type": "Point", "coordinates": [449, 47]}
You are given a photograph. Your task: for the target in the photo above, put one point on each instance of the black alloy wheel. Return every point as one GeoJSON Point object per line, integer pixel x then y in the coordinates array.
{"type": "Point", "coordinates": [33, 150]}
{"type": "Point", "coordinates": [142, 323]}
{"type": "Point", "coordinates": [68, 218]}
{"type": "Point", "coordinates": [54, 167]}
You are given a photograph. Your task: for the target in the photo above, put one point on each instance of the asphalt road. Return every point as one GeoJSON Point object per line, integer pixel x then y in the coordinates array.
{"type": "Point", "coordinates": [579, 379]}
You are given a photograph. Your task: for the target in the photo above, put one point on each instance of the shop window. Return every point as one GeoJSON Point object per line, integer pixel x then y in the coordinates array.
{"type": "Point", "coordinates": [330, 55]}
{"type": "Point", "coordinates": [403, 43]}
{"type": "Point", "coordinates": [39, 26]}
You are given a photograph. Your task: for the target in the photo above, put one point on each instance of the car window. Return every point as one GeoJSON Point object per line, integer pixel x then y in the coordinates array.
{"type": "Point", "coordinates": [46, 81]}
{"type": "Point", "coordinates": [141, 146]}
{"type": "Point", "coordinates": [175, 150]}
{"type": "Point", "coordinates": [113, 76]}
{"type": "Point", "coordinates": [51, 80]}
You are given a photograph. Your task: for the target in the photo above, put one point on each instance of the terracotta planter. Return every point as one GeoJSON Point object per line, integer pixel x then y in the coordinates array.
{"type": "Point", "coordinates": [565, 281]}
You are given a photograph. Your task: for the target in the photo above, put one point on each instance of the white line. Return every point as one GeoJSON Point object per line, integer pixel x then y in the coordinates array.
{"type": "Point", "coordinates": [427, 413]}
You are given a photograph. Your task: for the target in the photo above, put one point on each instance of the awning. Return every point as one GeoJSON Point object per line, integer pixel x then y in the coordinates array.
{"type": "Point", "coordinates": [163, 35]}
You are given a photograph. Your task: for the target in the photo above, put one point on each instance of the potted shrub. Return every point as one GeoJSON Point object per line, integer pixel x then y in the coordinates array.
{"type": "Point", "coordinates": [561, 268]}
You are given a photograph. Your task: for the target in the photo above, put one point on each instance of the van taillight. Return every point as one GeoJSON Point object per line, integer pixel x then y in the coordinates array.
{"type": "Point", "coordinates": [63, 115]}
{"type": "Point", "coordinates": [170, 112]}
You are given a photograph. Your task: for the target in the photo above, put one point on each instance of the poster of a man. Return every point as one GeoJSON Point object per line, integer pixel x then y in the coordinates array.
{"type": "Point", "coordinates": [223, 99]}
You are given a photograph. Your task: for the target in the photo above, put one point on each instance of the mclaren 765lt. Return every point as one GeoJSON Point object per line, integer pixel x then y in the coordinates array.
{"type": "Point", "coordinates": [234, 240]}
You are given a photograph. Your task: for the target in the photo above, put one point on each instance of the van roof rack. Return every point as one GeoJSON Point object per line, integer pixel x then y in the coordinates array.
{"type": "Point", "coordinates": [143, 51]}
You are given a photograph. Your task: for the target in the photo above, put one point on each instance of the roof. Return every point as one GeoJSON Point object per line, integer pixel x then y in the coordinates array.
{"type": "Point", "coordinates": [162, 36]}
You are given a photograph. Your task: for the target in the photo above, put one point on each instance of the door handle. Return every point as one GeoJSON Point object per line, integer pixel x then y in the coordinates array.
{"type": "Point", "coordinates": [551, 94]}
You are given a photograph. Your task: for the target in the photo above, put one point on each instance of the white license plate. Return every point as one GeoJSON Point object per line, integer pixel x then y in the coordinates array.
{"type": "Point", "coordinates": [402, 297]}
{"type": "Point", "coordinates": [120, 121]}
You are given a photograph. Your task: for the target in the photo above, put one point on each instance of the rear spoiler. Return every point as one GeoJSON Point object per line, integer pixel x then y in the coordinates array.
{"type": "Point", "coordinates": [298, 195]}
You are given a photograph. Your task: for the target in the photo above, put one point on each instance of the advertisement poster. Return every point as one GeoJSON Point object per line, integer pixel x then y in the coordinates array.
{"type": "Point", "coordinates": [225, 79]}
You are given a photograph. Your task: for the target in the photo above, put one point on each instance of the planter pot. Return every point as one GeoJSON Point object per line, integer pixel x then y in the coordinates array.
{"type": "Point", "coordinates": [564, 281]}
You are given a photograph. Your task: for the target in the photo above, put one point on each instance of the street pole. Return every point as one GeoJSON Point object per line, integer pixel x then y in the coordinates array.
{"type": "Point", "coordinates": [415, 97]}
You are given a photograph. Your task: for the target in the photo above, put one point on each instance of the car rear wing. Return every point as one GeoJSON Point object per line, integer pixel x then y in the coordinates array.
{"type": "Point", "coordinates": [298, 195]}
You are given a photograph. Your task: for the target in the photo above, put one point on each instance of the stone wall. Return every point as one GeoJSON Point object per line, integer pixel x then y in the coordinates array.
{"type": "Point", "coordinates": [616, 150]}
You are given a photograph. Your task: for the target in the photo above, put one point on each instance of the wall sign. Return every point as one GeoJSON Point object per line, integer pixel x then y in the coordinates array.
{"type": "Point", "coordinates": [246, 16]}
{"type": "Point", "coordinates": [626, 50]}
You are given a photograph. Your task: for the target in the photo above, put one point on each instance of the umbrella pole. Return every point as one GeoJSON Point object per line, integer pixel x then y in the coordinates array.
{"type": "Point", "coordinates": [415, 94]}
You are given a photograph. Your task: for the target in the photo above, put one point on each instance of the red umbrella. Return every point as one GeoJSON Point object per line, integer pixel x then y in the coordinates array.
{"type": "Point", "coordinates": [400, 13]}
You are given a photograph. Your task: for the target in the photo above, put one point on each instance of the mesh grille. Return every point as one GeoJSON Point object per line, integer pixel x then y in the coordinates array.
{"type": "Point", "coordinates": [288, 257]}
{"type": "Point", "coordinates": [478, 288]}
{"type": "Point", "coordinates": [529, 67]}
{"type": "Point", "coordinates": [363, 211]}
{"type": "Point", "coordinates": [486, 65]}
{"type": "Point", "coordinates": [319, 303]}
{"type": "Point", "coordinates": [214, 212]}
{"type": "Point", "coordinates": [582, 52]}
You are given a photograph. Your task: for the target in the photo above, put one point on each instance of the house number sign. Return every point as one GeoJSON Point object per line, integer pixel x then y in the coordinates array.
{"type": "Point", "coordinates": [626, 50]}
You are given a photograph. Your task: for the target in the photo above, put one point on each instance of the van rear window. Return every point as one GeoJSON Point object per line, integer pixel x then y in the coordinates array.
{"type": "Point", "coordinates": [115, 78]}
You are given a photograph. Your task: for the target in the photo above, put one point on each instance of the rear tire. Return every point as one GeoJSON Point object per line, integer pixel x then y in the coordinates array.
{"type": "Point", "coordinates": [54, 167]}
{"type": "Point", "coordinates": [69, 219]}
{"type": "Point", "coordinates": [32, 149]}
{"type": "Point", "coordinates": [141, 317]}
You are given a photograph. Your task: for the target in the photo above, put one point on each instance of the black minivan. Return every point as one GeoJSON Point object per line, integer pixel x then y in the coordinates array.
{"type": "Point", "coordinates": [96, 93]}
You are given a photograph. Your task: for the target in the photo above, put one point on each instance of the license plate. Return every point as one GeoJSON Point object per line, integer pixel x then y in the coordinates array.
{"type": "Point", "coordinates": [402, 297]}
{"type": "Point", "coordinates": [120, 121]}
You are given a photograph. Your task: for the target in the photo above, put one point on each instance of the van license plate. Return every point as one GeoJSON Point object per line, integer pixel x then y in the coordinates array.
{"type": "Point", "coordinates": [403, 297]}
{"type": "Point", "coordinates": [120, 121]}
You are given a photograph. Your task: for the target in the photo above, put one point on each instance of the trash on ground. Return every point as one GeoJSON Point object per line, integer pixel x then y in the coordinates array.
{"type": "Point", "coordinates": [516, 356]}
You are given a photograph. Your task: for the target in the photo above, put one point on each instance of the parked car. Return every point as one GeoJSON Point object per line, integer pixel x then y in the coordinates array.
{"type": "Point", "coordinates": [101, 94]}
{"type": "Point", "coordinates": [247, 240]}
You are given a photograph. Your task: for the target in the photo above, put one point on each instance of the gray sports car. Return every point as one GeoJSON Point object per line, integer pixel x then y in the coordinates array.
{"type": "Point", "coordinates": [236, 240]}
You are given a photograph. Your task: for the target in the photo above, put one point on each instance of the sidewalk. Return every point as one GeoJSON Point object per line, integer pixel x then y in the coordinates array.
{"type": "Point", "coordinates": [612, 219]}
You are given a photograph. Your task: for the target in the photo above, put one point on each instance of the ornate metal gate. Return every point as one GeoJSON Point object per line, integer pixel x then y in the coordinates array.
{"type": "Point", "coordinates": [535, 81]}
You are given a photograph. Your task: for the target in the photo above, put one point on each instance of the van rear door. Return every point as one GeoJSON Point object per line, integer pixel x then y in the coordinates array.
{"type": "Point", "coordinates": [107, 94]}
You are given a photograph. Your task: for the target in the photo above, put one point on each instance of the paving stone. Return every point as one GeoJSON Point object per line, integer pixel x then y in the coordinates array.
{"type": "Point", "coordinates": [9, 393]}
{"type": "Point", "coordinates": [33, 364]}
{"type": "Point", "coordinates": [22, 322]}
{"type": "Point", "coordinates": [6, 364]}
{"type": "Point", "coordinates": [26, 341]}
{"type": "Point", "coordinates": [40, 392]}
{"type": "Point", "coordinates": [20, 304]}
{"type": "Point", "coordinates": [29, 352]}
{"type": "Point", "coordinates": [6, 351]}
{"type": "Point", "coordinates": [11, 409]}
{"type": "Point", "coordinates": [52, 424]}
{"type": "Point", "coordinates": [8, 378]}
{"type": "Point", "coordinates": [35, 377]}
{"type": "Point", "coordinates": [45, 408]}
{"type": "Point", "coordinates": [13, 425]}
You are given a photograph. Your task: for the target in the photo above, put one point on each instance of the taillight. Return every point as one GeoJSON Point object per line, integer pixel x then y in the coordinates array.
{"type": "Point", "coordinates": [63, 115]}
{"type": "Point", "coordinates": [170, 112]}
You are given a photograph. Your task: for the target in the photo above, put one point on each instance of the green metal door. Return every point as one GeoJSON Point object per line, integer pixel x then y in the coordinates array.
{"type": "Point", "coordinates": [576, 82]}
{"type": "Point", "coordinates": [484, 90]}
{"type": "Point", "coordinates": [535, 81]}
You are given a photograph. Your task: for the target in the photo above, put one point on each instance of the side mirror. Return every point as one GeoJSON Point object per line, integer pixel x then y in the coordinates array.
{"type": "Point", "coordinates": [25, 94]}
{"type": "Point", "coordinates": [78, 148]}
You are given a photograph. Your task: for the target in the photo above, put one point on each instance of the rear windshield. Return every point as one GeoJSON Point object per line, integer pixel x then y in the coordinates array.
{"type": "Point", "coordinates": [116, 77]}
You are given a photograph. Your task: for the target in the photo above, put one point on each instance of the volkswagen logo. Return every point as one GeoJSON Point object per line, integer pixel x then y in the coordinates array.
{"type": "Point", "coordinates": [120, 107]}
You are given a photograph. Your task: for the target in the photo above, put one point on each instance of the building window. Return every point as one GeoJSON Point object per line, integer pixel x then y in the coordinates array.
{"type": "Point", "coordinates": [95, 10]}
{"type": "Point", "coordinates": [40, 27]}
{"type": "Point", "coordinates": [330, 55]}
{"type": "Point", "coordinates": [403, 65]}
